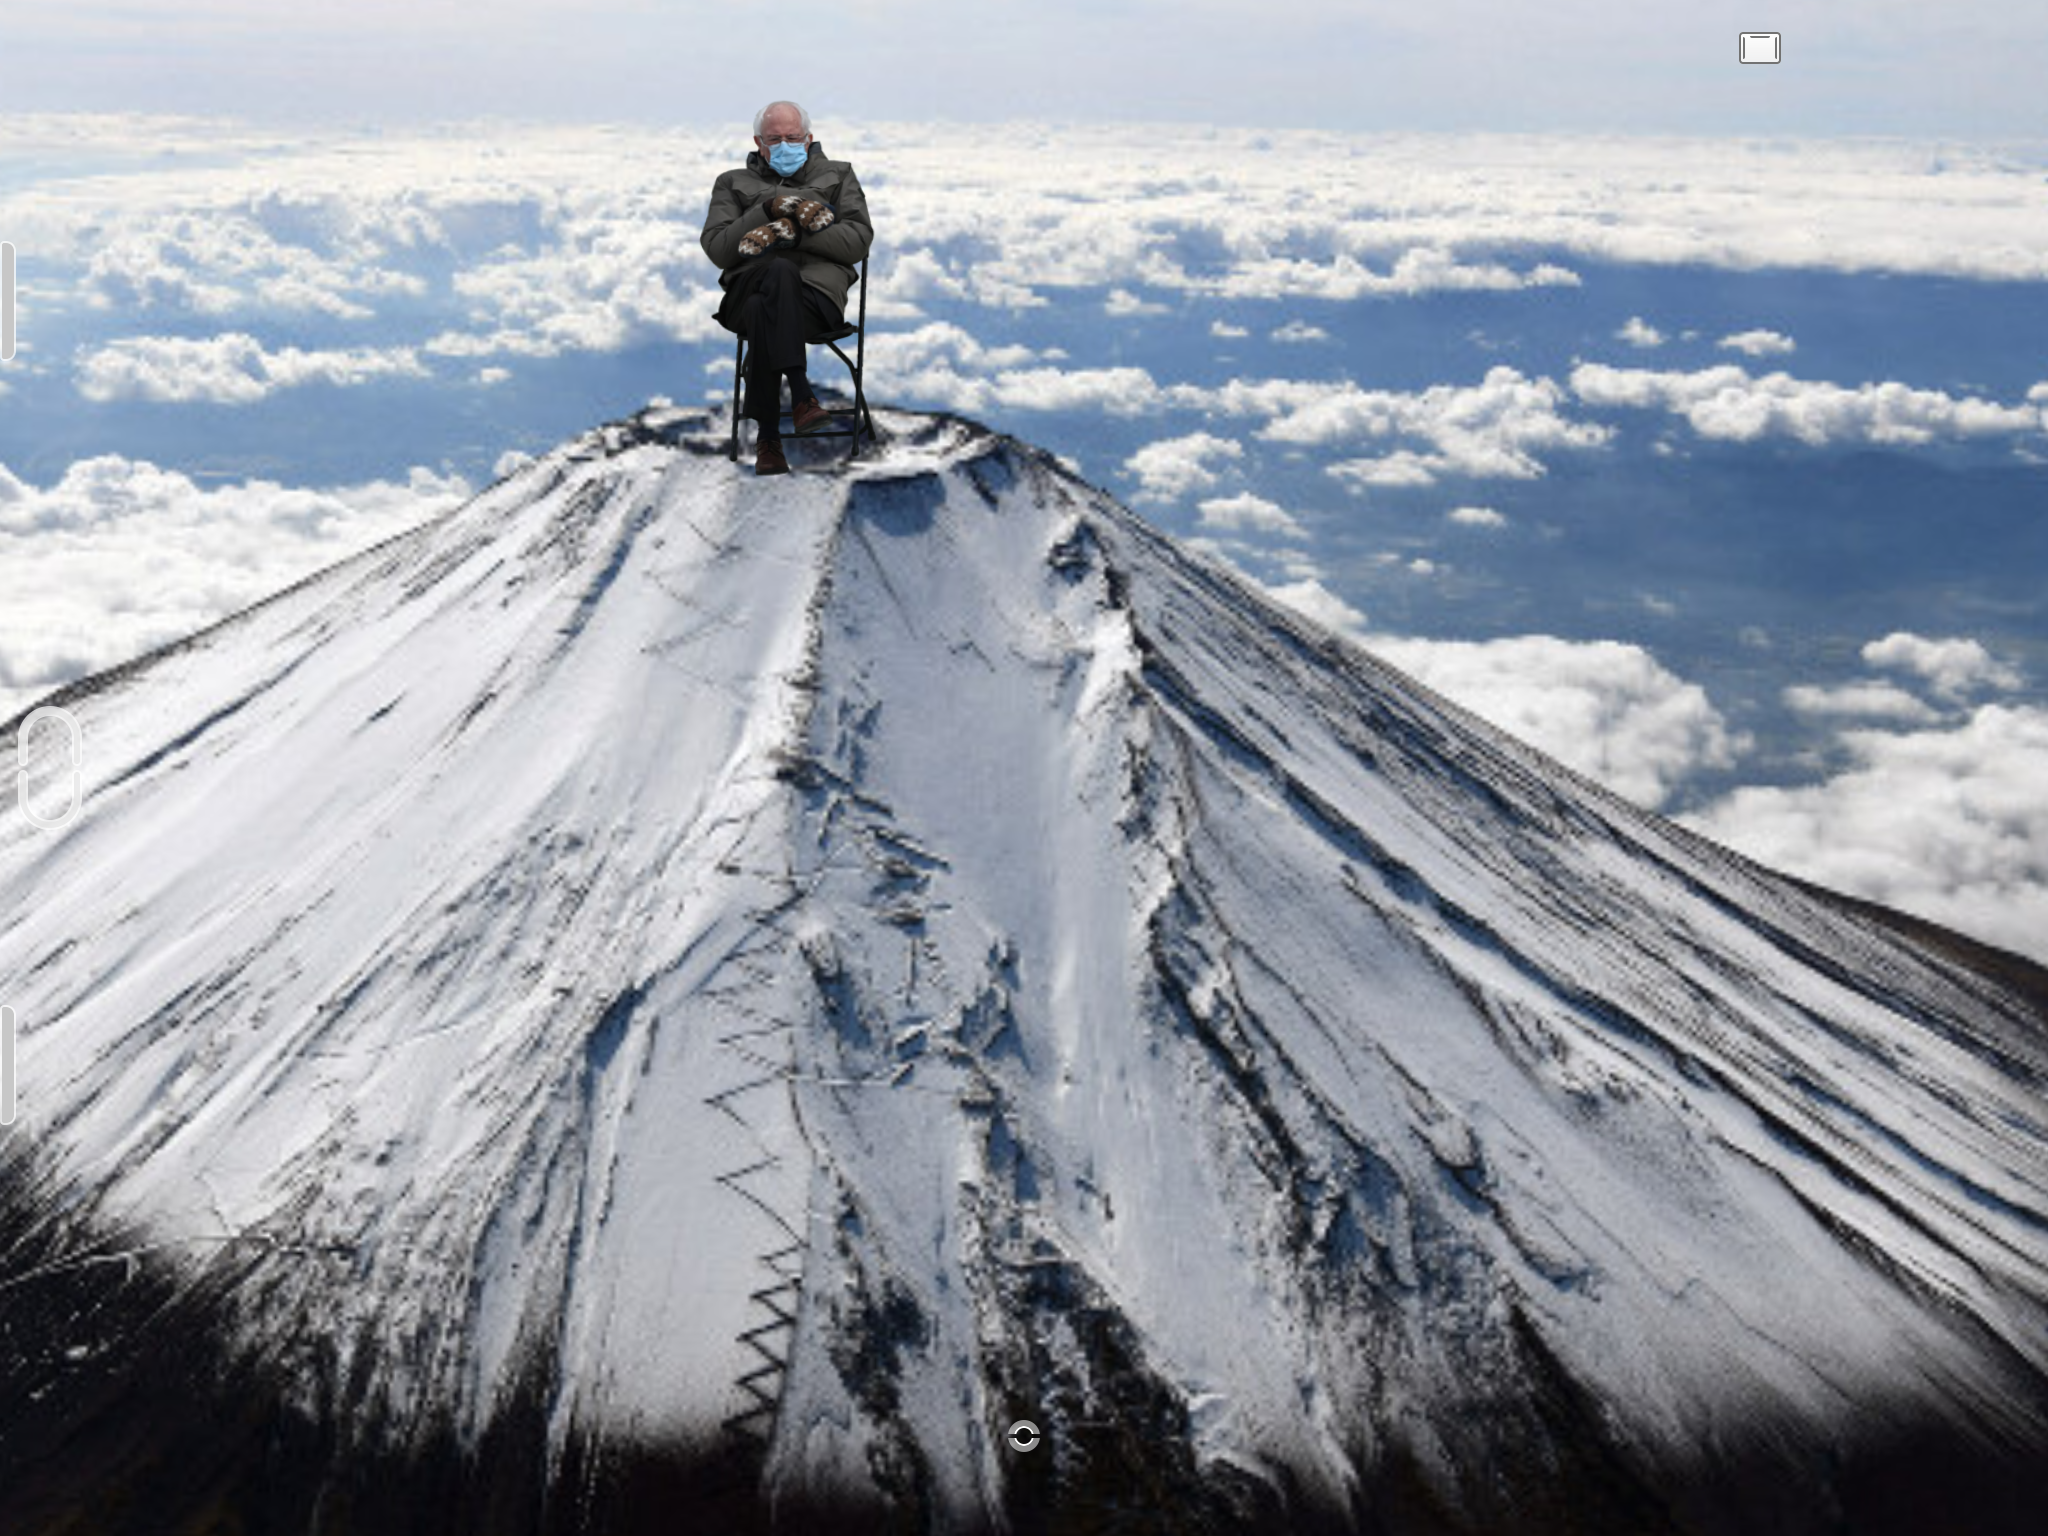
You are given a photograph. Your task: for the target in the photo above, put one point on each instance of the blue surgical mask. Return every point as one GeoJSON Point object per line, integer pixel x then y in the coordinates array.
{"type": "Point", "coordinates": [787, 159]}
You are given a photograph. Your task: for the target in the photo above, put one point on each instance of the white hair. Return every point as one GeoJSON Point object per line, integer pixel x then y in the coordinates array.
{"type": "Point", "coordinates": [762, 115]}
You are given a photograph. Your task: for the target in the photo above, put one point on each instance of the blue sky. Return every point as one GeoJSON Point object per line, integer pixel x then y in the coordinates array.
{"type": "Point", "coordinates": [1968, 67]}
{"type": "Point", "coordinates": [1685, 417]}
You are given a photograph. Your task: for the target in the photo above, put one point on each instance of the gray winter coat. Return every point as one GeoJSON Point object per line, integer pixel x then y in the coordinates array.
{"type": "Point", "coordinates": [826, 259]}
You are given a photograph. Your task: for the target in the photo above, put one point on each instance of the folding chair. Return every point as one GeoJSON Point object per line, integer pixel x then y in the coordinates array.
{"type": "Point", "coordinates": [860, 420]}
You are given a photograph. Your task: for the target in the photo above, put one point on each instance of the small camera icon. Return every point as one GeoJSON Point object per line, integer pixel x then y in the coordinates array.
{"type": "Point", "coordinates": [1762, 47]}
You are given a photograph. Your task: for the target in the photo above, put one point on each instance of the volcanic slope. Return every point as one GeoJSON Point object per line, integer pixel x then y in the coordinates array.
{"type": "Point", "coordinates": [661, 992]}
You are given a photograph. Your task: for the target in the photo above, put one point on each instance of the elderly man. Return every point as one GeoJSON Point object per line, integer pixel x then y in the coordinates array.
{"type": "Point", "coordinates": [786, 230]}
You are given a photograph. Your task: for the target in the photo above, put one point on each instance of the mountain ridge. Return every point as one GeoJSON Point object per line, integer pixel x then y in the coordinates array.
{"type": "Point", "coordinates": [790, 979]}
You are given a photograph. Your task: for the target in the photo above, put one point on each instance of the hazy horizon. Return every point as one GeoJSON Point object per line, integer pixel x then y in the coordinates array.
{"type": "Point", "coordinates": [1968, 69]}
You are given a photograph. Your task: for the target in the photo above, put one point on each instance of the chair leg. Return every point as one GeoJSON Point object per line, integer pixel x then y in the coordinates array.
{"type": "Point", "coordinates": [739, 378]}
{"type": "Point", "coordinates": [860, 405]}
{"type": "Point", "coordinates": [861, 415]}
{"type": "Point", "coordinates": [860, 355]}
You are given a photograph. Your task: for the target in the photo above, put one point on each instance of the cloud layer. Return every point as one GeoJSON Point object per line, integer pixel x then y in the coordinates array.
{"type": "Point", "coordinates": [1607, 709]}
{"type": "Point", "coordinates": [1730, 404]}
{"type": "Point", "coordinates": [1954, 666]}
{"type": "Point", "coordinates": [1949, 823]}
{"type": "Point", "coordinates": [120, 556]}
{"type": "Point", "coordinates": [567, 238]}
{"type": "Point", "coordinates": [228, 369]}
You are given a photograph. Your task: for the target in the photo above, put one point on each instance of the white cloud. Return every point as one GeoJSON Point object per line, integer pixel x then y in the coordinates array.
{"type": "Point", "coordinates": [1493, 428]}
{"type": "Point", "coordinates": [944, 363]}
{"type": "Point", "coordinates": [1298, 330]}
{"type": "Point", "coordinates": [1418, 270]}
{"type": "Point", "coordinates": [1726, 402]}
{"type": "Point", "coordinates": [1292, 561]}
{"type": "Point", "coordinates": [906, 354]}
{"type": "Point", "coordinates": [1476, 517]}
{"type": "Point", "coordinates": [1870, 701]}
{"type": "Point", "coordinates": [1741, 204]}
{"type": "Point", "coordinates": [512, 239]}
{"type": "Point", "coordinates": [229, 369]}
{"type": "Point", "coordinates": [1311, 597]}
{"type": "Point", "coordinates": [1758, 343]}
{"type": "Point", "coordinates": [1119, 391]}
{"type": "Point", "coordinates": [614, 282]}
{"type": "Point", "coordinates": [1402, 467]}
{"type": "Point", "coordinates": [1246, 512]}
{"type": "Point", "coordinates": [1174, 466]}
{"type": "Point", "coordinates": [1953, 666]}
{"type": "Point", "coordinates": [120, 555]}
{"type": "Point", "coordinates": [1122, 303]}
{"type": "Point", "coordinates": [1949, 824]}
{"type": "Point", "coordinates": [1638, 332]}
{"type": "Point", "coordinates": [1607, 709]}
{"type": "Point", "coordinates": [912, 274]}
{"type": "Point", "coordinates": [228, 260]}
{"type": "Point", "coordinates": [1229, 332]}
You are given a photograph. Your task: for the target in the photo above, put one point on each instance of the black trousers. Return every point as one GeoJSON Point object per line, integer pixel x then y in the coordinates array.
{"type": "Point", "coordinates": [771, 305]}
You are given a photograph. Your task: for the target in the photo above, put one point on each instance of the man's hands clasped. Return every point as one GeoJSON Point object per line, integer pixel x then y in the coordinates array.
{"type": "Point", "coordinates": [807, 213]}
{"type": "Point", "coordinates": [791, 216]}
{"type": "Point", "coordinates": [763, 238]}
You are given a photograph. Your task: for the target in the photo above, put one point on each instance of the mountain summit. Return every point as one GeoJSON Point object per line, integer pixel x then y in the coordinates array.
{"type": "Point", "coordinates": [661, 1001]}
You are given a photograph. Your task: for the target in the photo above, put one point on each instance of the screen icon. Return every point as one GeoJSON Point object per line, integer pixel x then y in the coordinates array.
{"type": "Point", "coordinates": [1024, 1436]}
{"type": "Point", "coordinates": [71, 782]}
{"type": "Point", "coordinates": [1762, 47]}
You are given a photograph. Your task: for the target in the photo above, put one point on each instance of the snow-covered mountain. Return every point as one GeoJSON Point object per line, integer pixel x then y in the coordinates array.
{"type": "Point", "coordinates": [662, 1000]}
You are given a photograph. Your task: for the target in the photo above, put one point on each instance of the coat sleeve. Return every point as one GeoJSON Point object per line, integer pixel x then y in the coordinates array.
{"type": "Point", "coordinates": [847, 239]}
{"type": "Point", "coordinates": [727, 221]}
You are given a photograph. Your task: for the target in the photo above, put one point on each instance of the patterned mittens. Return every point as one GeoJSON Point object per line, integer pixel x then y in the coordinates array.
{"type": "Point", "coordinates": [767, 237]}
{"type": "Point", "coordinates": [788, 214]}
{"type": "Point", "coordinates": [808, 212]}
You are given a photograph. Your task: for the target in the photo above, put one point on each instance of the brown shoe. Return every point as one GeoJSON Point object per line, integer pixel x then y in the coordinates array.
{"type": "Point", "coordinates": [768, 459]}
{"type": "Point", "coordinates": [807, 416]}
